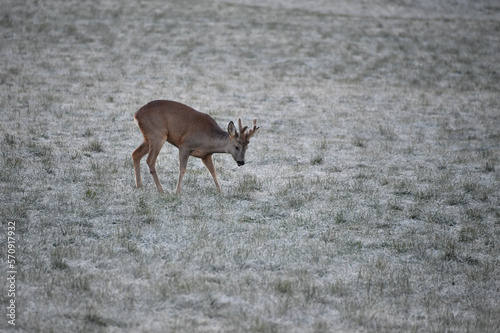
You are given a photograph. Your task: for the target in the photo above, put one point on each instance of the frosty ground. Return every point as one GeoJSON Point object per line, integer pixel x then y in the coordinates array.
{"type": "Point", "coordinates": [369, 201]}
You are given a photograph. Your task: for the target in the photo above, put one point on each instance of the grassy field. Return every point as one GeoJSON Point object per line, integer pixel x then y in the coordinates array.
{"type": "Point", "coordinates": [370, 197]}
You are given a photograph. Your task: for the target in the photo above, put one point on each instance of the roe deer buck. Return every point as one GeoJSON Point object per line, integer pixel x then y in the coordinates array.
{"type": "Point", "coordinates": [194, 133]}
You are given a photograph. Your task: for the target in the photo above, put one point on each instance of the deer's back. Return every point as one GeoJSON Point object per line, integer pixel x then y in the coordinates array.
{"type": "Point", "coordinates": [174, 121]}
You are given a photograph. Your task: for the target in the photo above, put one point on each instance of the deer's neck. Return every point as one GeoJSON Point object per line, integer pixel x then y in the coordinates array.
{"type": "Point", "coordinates": [220, 142]}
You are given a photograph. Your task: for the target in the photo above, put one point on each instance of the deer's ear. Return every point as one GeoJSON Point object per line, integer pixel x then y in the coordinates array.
{"type": "Point", "coordinates": [232, 130]}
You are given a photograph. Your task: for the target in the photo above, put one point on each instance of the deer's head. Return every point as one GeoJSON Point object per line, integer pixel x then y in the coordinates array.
{"type": "Point", "coordinates": [238, 140]}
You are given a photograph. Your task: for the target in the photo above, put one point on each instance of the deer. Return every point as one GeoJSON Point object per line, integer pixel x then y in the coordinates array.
{"type": "Point", "coordinates": [194, 133]}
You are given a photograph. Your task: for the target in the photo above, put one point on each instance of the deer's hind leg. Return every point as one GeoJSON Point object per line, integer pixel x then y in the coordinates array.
{"type": "Point", "coordinates": [183, 160]}
{"type": "Point", "coordinates": [137, 155]}
{"type": "Point", "coordinates": [154, 149]}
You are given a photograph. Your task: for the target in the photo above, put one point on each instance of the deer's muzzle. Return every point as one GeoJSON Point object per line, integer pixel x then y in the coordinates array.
{"type": "Point", "coordinates": [240, 163]}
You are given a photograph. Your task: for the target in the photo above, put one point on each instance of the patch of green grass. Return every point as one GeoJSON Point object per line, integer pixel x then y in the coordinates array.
{"type": "Point", "coordinates": [93, 317]}
{"type": "Point", "coordinates": [359, 142]}
{"type": "Point", "coordinates": [248, 183]}
{"type": "Point", "coordinates": [88, 133]}
{"type": "Point", "coordinates": [9, 139]}
{"type": "Point", "coordinates": [94, 146]}
{"type": "Point", "coordinates": [317, 160]}
{"type": "Point", "coordinates": [284, 287]}
{"type": "Point", "coordinates": [57, 260]}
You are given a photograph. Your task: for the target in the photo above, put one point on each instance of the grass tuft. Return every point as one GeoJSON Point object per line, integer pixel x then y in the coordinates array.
{"type": "Point", "coordinates": [94, 146]}
{"type": "Point", "coordinates": [318, 160]}
{"type": "Point", "coordinates": [284, 287]}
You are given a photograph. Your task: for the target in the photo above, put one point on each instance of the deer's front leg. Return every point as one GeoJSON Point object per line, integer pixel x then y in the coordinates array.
{"type": "Point", "coordinates": [207, 160]}
{"type": "Point", "coordinates": [183, 160]}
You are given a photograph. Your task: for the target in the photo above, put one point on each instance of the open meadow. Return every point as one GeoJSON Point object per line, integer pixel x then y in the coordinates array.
{"type": "Point", "coordinates": [370, 197]}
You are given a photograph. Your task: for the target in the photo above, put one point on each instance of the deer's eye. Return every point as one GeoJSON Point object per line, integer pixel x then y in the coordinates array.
{"type": "Point", "coordinates": [237, 148]}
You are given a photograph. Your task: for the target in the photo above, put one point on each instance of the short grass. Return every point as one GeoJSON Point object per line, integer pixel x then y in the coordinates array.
{"type": "Point", "coordinates": [369, 201]}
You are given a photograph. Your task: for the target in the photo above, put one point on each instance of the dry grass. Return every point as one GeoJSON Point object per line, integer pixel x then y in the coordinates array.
{"type": "Point", "coordinates": [369, 201]}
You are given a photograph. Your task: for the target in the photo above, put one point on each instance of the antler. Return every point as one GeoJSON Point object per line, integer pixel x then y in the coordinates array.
{"type": "Point", "coordinates": [244, 134]}
{"type": "Point", "coordinates": [252, 131]}
{"type": "Point", "coordinates": [241, 128]}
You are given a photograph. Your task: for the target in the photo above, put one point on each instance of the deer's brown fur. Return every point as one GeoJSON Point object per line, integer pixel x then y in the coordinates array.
{"type": "Point", "coordinates": [193, 133]}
